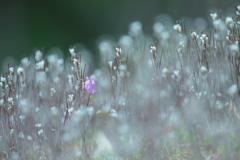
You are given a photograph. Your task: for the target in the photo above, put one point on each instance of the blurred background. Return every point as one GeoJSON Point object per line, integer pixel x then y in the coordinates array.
{"type": "Point", "coordinates": [42, 24]}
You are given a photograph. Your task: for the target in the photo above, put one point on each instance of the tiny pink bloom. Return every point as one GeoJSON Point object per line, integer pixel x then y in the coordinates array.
{"type": "Point", "coordinates": [89, 85]}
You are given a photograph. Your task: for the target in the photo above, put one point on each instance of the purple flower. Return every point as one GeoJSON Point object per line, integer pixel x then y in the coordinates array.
{"type": "Point", "coordinates": [89, 85]}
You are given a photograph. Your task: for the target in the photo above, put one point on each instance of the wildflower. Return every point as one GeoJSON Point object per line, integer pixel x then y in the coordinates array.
{"type": "Point", "coordinates": [89, 85]}
{"type": "Point", "coordinates": [229, 21]}
{"type": "Point", "coordinates": [118, 51]}
{"type": "Point", "coordinates": [178, 28]}
{"type": "Point", "coordinates": [214, 15]}
{"type": "Point", "coordinates": [194, 35]}
{"type": "Point", "coordinates": [204, 38]}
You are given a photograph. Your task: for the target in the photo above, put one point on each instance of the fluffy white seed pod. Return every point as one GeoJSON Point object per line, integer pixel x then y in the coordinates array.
{"type": "Point", "coordinates": [135, 29]}
{"type": "Point", "coordinates": [194, 35]}
{"type": "Point", "coordinates": [232, 91]}
{"type": "Point", "coordinates": [20, 71]}
{"type": "Point", "coordinates": [38, 55]}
